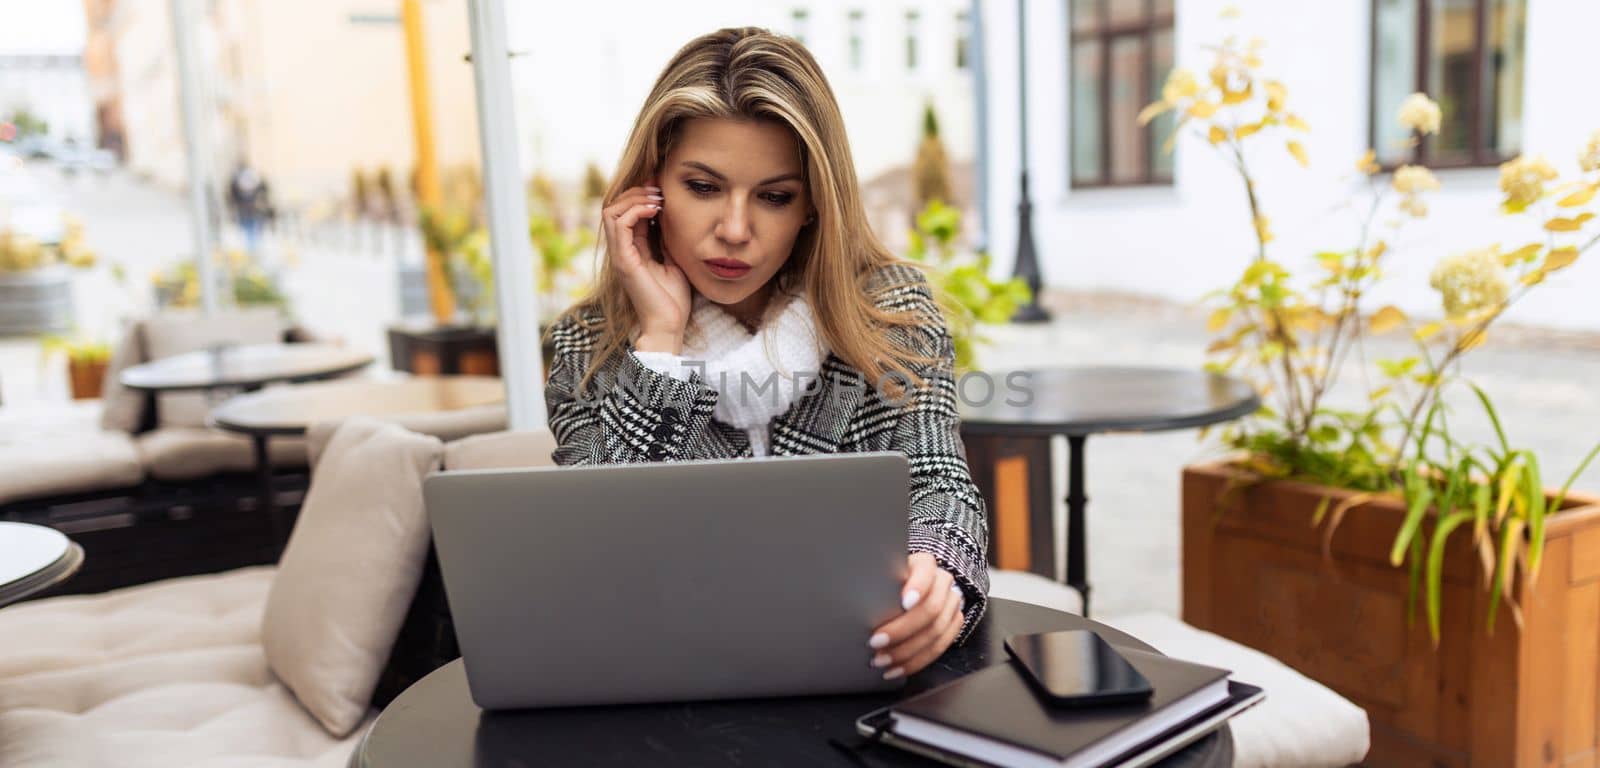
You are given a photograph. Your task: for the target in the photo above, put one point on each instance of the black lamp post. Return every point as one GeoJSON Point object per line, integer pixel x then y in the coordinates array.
{"type": "Point", "coordinates": [1027, 264]}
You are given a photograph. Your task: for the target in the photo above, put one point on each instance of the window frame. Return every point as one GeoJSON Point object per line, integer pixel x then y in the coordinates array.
{"type": "Point", "coordinates": [1481, 155]}
{"type": "Point", "coordinates": [1104, 33]}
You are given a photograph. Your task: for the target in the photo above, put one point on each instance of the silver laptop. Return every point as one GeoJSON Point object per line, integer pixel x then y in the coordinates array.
{"type": "Point", "coordinates": [674, 581]}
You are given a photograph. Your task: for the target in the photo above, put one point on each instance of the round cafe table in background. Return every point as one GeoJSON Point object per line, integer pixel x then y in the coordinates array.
{"type": "Point", "coordinates": [34, 558]}
{"type": "Point", "coordinates": [246, 366]}
{"type": "Point", "coordinates": [435, 724]}
{"type": "Point", "coordinates": [1079, 402]}
{"type": "Point", "coordinates": [290, 411]}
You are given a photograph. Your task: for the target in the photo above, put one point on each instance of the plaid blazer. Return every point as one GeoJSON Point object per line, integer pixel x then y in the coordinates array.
{"type": "Point", "coordinates": [632, 414]}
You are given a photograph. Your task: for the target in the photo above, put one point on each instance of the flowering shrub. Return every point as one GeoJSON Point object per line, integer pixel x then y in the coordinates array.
{"type": "Point", "coordinates": [1292, 335]}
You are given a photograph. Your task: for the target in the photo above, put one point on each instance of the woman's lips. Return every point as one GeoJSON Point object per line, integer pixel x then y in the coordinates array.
{"type": "Point", "coordinates": [727, 268]}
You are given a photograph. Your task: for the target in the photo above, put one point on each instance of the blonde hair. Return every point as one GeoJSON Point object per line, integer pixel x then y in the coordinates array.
{"type": "Point", "coordinates": [749, 73]}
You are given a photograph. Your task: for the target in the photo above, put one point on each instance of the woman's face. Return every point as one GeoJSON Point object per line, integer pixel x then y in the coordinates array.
{"type": "Point", "coordinates": [735, 202]}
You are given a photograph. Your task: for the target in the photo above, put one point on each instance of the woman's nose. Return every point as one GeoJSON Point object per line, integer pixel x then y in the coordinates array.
{"type": "Point", "coordinates": [734, 227]}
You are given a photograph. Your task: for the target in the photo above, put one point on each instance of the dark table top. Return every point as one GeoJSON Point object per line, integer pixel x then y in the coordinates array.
{"type": "Point", "coordinates": [291, 410]}
{"type": "Point", "coordinates": [1090, 400]}
{"type": "Point", "coordinates": [249, 365]}
{"type": "Point", "coordinates": [434, 723]}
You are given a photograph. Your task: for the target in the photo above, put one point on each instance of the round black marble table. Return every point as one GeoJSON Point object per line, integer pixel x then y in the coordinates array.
{"type": "Point", "coordinates": [435, 724]}
{"type": "Point", "coordinates": [1078, 402]}
{"type": "Point", "coordinates": [34, 558]}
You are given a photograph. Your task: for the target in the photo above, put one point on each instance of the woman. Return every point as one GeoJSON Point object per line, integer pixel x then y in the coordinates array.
{"type": "Point", "coordinates": [739, 264]}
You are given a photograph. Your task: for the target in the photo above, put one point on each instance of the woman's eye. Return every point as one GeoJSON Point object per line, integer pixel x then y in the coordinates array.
{"type": "Point", "coordinates": [775, 199]}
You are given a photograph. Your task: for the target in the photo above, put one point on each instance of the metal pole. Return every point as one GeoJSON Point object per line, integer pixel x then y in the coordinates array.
{"type": "Point", "coordinates": [1027, 264]}
{"type": "Point", "coordinates": [197, 151]}
{"type": "Point", "coordinates": [980, 87]}
{"type": "Point", "coordinates": [521, 362]}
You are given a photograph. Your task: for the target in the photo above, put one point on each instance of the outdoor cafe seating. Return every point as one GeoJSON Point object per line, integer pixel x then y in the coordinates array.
{"type": "Point", "coordinates": [289, 664]}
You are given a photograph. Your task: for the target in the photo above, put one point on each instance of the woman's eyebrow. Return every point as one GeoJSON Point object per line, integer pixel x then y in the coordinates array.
{"type": "Point", "coordinates": [708, 169]}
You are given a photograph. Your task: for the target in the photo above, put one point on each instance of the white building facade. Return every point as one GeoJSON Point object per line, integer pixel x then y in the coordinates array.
{"type": "Point", "coordinates": [1190, 233]}
{"type": "Point", "coordinates": [54, 88]}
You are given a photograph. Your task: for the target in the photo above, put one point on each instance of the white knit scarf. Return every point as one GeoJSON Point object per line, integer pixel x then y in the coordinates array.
{"type": "Point", "coordinates": [788, 344]}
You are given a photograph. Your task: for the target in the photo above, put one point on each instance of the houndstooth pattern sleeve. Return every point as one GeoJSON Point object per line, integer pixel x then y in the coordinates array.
{"type": "Point", "coordinates": [630, 414]}
{"type": "Point", "coordinates": [947, 517]}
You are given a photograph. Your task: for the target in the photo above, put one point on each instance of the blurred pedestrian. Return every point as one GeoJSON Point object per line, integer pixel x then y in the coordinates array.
{"type": "Point", "coordinates": [250, 199]}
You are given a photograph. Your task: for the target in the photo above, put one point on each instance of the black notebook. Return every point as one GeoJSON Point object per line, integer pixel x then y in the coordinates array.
{"type": "Point", "coordinates": [993, 715]}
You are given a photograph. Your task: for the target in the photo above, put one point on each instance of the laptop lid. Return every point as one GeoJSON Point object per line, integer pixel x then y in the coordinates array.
{"type": "Point", "coordinates": [671, 581]}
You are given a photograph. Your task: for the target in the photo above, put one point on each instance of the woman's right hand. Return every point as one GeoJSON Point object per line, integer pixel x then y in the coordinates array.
{"type": "Point", "coordinates": [659, 290]}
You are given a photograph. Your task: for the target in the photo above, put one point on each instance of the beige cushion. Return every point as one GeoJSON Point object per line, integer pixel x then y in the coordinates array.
{"type": "Point", "coordinates": [175, 332]}
{"type": "Point", "coordinates": [350, 569]}
{"type": "Point", "coordinates": [502, 450]}
{"type": "Point", "coordinates": [60, 449]}
{"type": "Point", "coordinates": [185, 453]}
{"type": "Point", "coordinates": [123, 408]}
{"type": "Point", "coordinates": [1032, 588]}
{"type": "Point", "coordinates": [454, 425]}
{"type": "Point", "coordinates": [445, 425]}
{"type": "Point", "coordinates": [164, 674]}
{"type": "Point", "coordinates": [1301, 722]}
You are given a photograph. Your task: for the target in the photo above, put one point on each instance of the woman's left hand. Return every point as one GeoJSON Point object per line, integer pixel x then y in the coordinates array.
{"type": "Point", "coordinates": [930, 623]}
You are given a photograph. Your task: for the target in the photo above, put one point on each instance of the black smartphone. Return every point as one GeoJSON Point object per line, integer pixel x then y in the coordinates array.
{"type": "Point", "coordinates": [1077, 668]}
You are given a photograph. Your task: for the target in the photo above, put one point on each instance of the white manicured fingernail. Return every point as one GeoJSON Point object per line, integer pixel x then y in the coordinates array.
{"type": "Point", "coordinates": [881, 660]}
{"type": "Point", "coordinates": [655, 197]}
{"type": "Point", "coordinates": [894, 673]}
{"type": "Point", "coordinates": [910, 599]}
{"type": "Point", "coordinates": [878, 641]}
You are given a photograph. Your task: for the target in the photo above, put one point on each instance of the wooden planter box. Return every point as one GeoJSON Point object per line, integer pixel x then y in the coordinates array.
{"type": "Point", "coordinates": [1254, 572]}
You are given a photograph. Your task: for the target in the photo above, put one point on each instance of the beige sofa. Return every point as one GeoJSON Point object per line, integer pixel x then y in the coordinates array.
{"type": "Point", "coordinates": [143, 483]}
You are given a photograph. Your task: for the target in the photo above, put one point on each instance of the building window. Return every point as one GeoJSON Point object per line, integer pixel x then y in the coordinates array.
{"type": "Point", "coordinates": [963, 39]}
{"type": "Point", "coordinates": [913, 19]}
{"type": "Point", "coordinates": [1468, 55]}
{"type": "Point", "coordinates": [800, 19]}
{"type": "Point", "coordinates": [856, 21]}
{"type": "Point", "coordinates": [1121, 53]}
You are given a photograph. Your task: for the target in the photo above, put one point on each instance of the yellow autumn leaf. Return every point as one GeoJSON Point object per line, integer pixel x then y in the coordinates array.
{"type": "Point", "coordinates": [1563, 225]}
{"type": "Point", "coordinates": [1368, 164]}
{"type": "Point", "coordinates": [1276, 94]}
{"type": "Point", "coordinates": [1378, 249]}
{"type": "Point", "coordinates": [1246, 130]}
{"type": "Point", "coordinates": [1525, 253]}
{"type": "Point", "coordinates": [1560, 258]}
{"type": "Point", "coordinates": [1294, 121]}
{"type": "Point", "coordinates": [1264, 229]}
{"type": "Point", "coordinates": [1153, 111]}
{"type": "Point", "coordinates": [1219, 319]}
{"type": "Point", "coordinates": [1428, 331]}
{"type": "Point", "coordinates": [1533, 278]}
{"type": "Point", "coordinates": [1202, 109]}
{"type": "Point", "coordinates": [1472, 340]}
{"type": "Point", "coordinates": [1299, 153]}
{"type": "Point", "coordinates": [1252, 61]}
{"type": "Point", "coordinates": [1238, 97]}
{"type": "Point", "coordinates": [1217, 134]}
{"type": "Point", "coordinates": [1388, 319]}
{"type": "Point", "coordinates": [1577, 198]}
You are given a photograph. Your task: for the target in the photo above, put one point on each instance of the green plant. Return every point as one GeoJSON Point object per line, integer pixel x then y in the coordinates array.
{"type": "Point", "coordinates": [1292, 335]}
{"type": "Point", "coordinates": [20, 252]}
{"type": "Point", "coordinates": [966, 293]}
{"type": "Point", "coordinates": [931, 170]}
{"type": "Point", "coordinates": [247, 283]}
{"type": "Point", "coordinates": [77, 349]}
